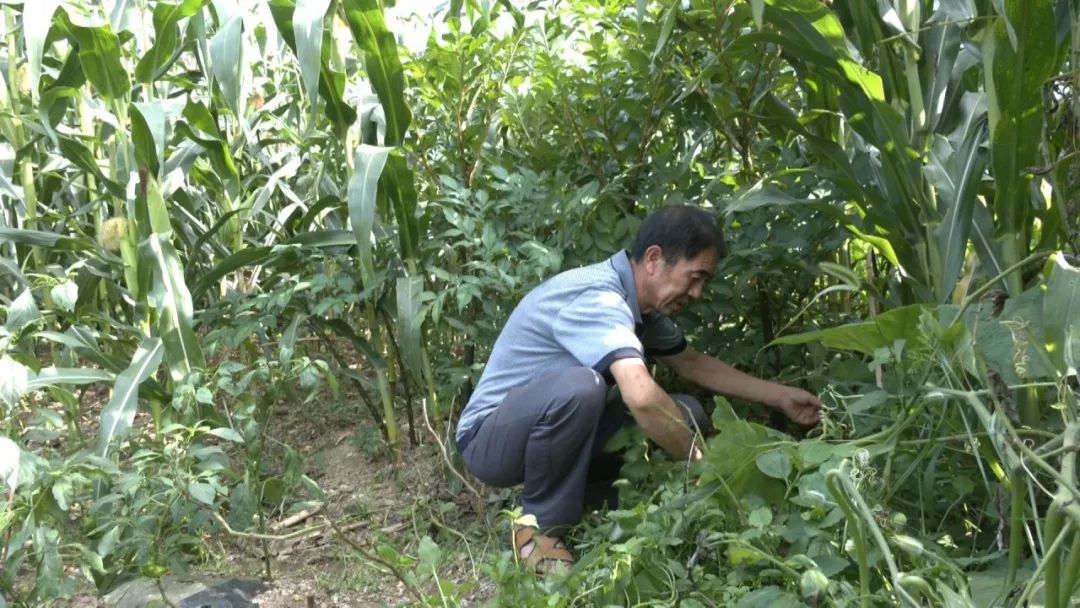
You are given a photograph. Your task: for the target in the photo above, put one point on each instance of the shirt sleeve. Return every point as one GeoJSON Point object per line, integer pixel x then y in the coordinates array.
{"type": "Point", "coordinates": [597, 328]}
{"type": "Point", "coordinates": [661, 337]}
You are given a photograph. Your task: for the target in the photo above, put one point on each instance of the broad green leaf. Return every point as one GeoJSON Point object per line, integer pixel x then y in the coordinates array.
{"type": "Point", "coordinates": [409, 320]}
{"type": "Point", "coordinates": [36, 26]}
{"type": "Point", "coordinates": [108, 541]}
{"type": "Point", "coordinates": [429, 553]}
{"type": "Point", "coordinates": [10, 459]}
{"type": "Point", "coordinates": [228, 61]}
{"type": "Point", "coordinates": [288, 341]}
{"type": "Point", "coordinates": [866, 337]}
{"type": "Point", "coordinates": [65, 295]}
{"type": "Point", "coordinates": [775, 463]}
{"type": "Point", "coordinates": [1061, 315]}
{"type": "Point", "coordinates": [867, 402]}
{"type": "Point", "coordinates": [365, 18]}
{"type": "Point", "coordinates": [202, 492]}
{"type": "Point", "coordinates": [22, 311]}
{"type": "Point", "coordinates": [49, 578]}
{"type": "Point", "coordinates": [363, 187]}
{"type": "Point", "coordinates": [52, 376]}
{"type": "Point", "coordinates": [14, 382]}
{"type": "Point", "coordinates": [761, 516]}
{"type": "Point", "coordinates": [308, 27]}
{"type": "Point", "coordinates": [119, 413]}
{"type": "Point", "coordinates": [99, 52]}
{"type": "Point", "coordinates": [769, 597]}
{"type": "Point", "coordinates": [227, 434]}
{"type": "Point", "coordinates": [167, 16]}
{"type": "Point", "coordinates": [814, 453]}
{"type": "Point", "coordinates": [732, 456]}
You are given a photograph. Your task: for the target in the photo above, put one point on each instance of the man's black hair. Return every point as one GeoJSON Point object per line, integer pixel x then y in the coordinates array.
{"type": "Point", "coordinates": [681, 231]}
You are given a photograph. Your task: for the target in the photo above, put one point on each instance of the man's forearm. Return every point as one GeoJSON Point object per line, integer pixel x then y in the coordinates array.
{"type": "Point", "coordinates": [722, 378]}
{"type": "Point", "coordinates": [665, 424]}
{"type": "Point", "coordinates": [654, 410]}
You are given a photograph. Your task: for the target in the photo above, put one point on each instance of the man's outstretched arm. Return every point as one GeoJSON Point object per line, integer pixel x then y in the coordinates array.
{"type": "Point", "coordinates": [715, 375]}
{"type": "Point", "coordinates": [654, 410]}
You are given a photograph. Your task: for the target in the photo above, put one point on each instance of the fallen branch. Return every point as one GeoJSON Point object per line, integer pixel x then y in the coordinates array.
{"type": "Point", "coordinates": [296, 518]}
{"type": "Point", "coordinates": [255, 535]}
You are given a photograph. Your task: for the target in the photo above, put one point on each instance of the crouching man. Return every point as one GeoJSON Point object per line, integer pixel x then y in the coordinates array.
{"type": "Point", "coordinates": [541, 412]}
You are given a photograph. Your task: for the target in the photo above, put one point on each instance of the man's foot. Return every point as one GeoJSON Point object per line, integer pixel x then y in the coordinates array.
{"type": "Point", "coordinates": [540, 553]}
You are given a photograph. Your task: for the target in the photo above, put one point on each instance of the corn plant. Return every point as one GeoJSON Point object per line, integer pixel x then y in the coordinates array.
{"type": "Point", "coordinates": [158, 160]}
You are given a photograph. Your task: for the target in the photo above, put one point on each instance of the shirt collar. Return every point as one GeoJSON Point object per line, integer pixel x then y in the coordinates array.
{"type": "Point", "coordinates": [621, 263]}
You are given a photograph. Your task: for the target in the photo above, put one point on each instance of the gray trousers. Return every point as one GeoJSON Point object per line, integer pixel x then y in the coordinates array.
{"type": "Point", "coordinates": [550, 435]}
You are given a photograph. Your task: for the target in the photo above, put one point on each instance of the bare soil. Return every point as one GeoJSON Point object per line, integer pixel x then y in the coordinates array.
{"type": "Point", "coordinates": [370, 500]}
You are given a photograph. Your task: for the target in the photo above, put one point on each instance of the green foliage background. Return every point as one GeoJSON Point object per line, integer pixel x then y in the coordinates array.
{"type": "Point", "coordinates": [212, 207]}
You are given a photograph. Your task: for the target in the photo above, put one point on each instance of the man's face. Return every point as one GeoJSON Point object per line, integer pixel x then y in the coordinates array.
{"type": "Point", "coordinates": [676, 284]}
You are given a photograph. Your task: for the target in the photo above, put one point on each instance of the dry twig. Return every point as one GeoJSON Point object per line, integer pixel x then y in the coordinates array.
{"type": "Point", "coordinates": [445, 454]}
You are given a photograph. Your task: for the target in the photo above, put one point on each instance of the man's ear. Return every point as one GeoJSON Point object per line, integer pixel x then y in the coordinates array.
{"type": "Point", "coordinates": [653, 258]}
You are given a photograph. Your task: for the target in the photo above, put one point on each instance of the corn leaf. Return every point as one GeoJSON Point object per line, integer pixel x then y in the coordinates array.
{"type": "Point", "coordinates": [149, 133]}
{"type": "Point", "coordinates": [866, 337]}
{"type": "Point", "coordinates": [409, 320]}
{"type": "Point", "coordinates": [39, 238]}
{"type": "Point", "coordinates": [397, 182]}
{"type": "Point", "coordinates": [119, 414]}
{"type": "Point", "coordinates": [52, 376]}
{"type": "Point", "coordinates": [240, 259]}
{"type": "Point", "coordinates": [331, 83]}
{"type": "Point", "coordinates": [956, 176]}
{"type": "Point", "coordinates": [308, 26]}
{"type": "Point", "coordinates": [382, 64]}
{"type": "Point", "coordinates": [36, 25]}
{"type": "Point", "coordinates": [170, 293]}
{"type": "Point", "coordinates": [341, 328]}
{"type": "Point", "coordinates": [228, 61]}
{"type": "Point", "coordinates": [363, 188]}
{"type": "Point", "coordinates": [167, 16]}
{"type": "Point", "coordinates": [1015, 88]}
{"type": "Point", "coordinates": [99, 53]}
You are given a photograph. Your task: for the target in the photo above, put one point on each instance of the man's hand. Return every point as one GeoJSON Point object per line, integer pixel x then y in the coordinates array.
{"type": "Point", "coordinates": [798, 405]}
